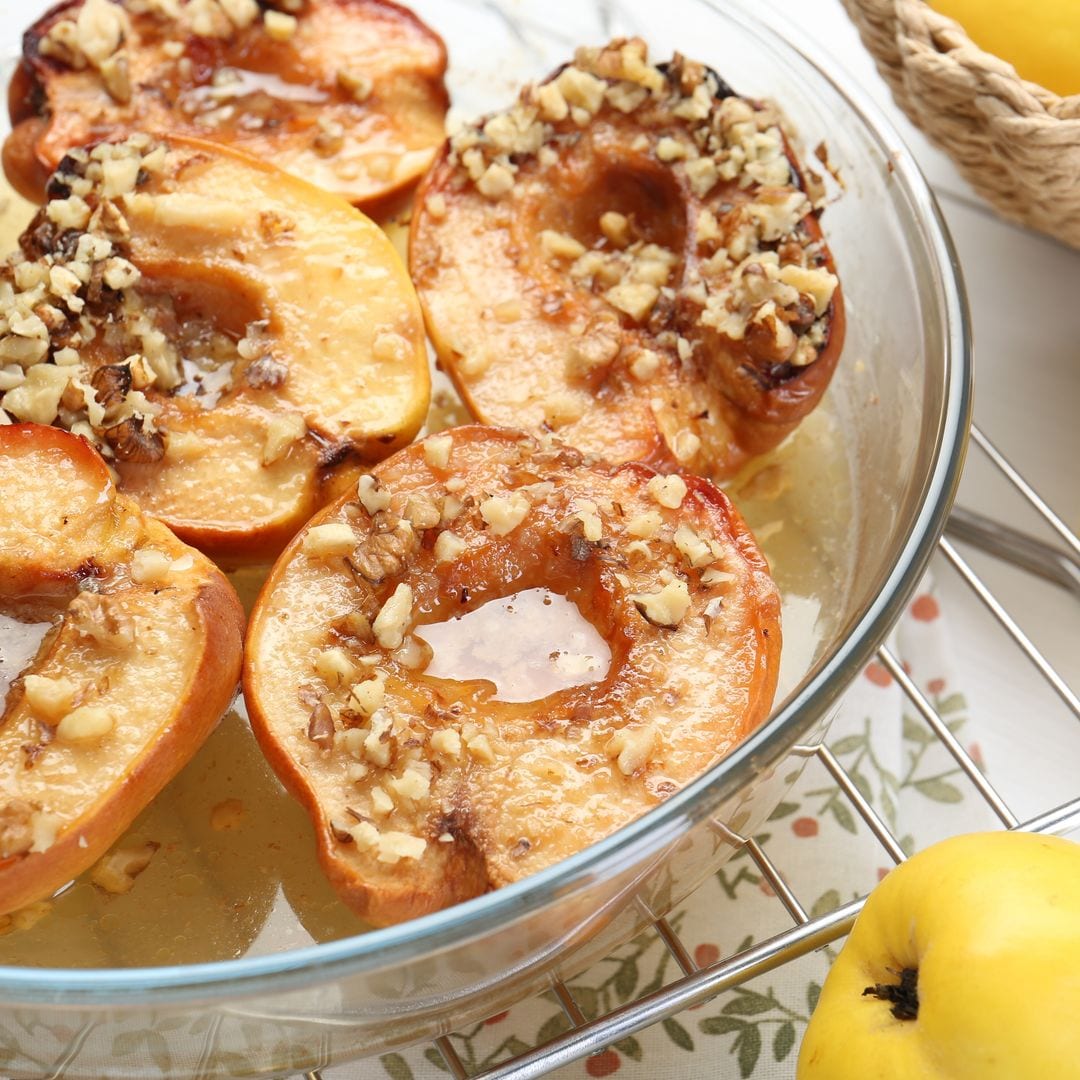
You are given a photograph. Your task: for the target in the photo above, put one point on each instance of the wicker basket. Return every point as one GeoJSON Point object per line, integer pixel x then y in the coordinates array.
{"type": "Point", "coordinates": [1016, 143]}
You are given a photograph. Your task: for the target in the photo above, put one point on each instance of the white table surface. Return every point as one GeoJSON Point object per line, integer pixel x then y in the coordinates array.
{"type": "Point", "coordinates": [1023, 292]}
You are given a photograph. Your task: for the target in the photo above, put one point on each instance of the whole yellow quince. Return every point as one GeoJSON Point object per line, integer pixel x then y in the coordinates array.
{"type": "Point", "coordinates": [964, 964]}
{"type": "Point", "coordinates": [1040, 38]}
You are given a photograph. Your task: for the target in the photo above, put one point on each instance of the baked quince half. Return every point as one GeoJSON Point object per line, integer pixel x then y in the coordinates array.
{"type": "Point", "coordinates": [629, 257]}
{"type": "Point", "coordinates": [427, 789]}
{"type": "Point", "coordinates": [233, 340]}
{"type": "Point", "coordinates": [347, 94]}
{"type": "Point", "coordinates": [119, 651]}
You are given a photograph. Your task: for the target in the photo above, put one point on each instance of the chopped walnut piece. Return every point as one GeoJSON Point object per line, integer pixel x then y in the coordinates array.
{"type": "Point", "coordinates": [645, 525]}
{"type": "Point", "coordinates": [132, 440]}
{"type": "Point", "coordinates": [383, 552]}
{"type": "Point", "coordinates": [558, 245]}
{"type": "Point", "coordinates": [330, 540]}
{"type": "Point", "coordinates": [355, 83]}
{"type": "Point", "coordinates": [505, 513]}
{"type": "Point", "coordinates": [117, 871]}
{"type": "Point", "coordinates": [367, 696]}
{"type": "Point", "coordinates": [49, 697]}
{"type": "Point", "coordinates": [149, 567]}
{"type": "Point", "coordinates": [372, 497]}
{"type": "Point", "coordinates": [282, 431]}
{"type": "Point", "coordinates": [447, 741]}
{"type": "Point", "coordinates": [437, 450]}
{"type": "Point", "coordinates": [632, 748]}
{"type": "Point", "coordinates": [665, 607]}
{"type": "Point", "coordinates": [334, 666]}
{"type": "Point", "coordinates": [449, 547]}
{"type": "Point", "coordinates": [395, 846]}
{"type": "Point", "coordinates": [279, 26]}
{"type": "Point", "coordinates": [394, 618]}
{"type": "Point", "coordinates": [266, 373]}
{"type": "Point", "coordinates": [16, 827]}
{"type": "Point", "coordinates": [103, 619]}
{"type": "Point", "coordinates": [668, 491]}
{"type": "Point", "coordinates": [692, 547]}
{"type": "Point", "coordinates": [85, 725]}
{"type": "Point", "coordinates": [320, 729]}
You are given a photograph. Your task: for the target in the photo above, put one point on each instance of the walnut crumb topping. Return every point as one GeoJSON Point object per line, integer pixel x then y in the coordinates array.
{"type": "Point", "coordinates": [744, 250]}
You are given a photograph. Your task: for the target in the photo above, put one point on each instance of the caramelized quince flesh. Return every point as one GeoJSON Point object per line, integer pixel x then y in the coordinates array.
{"type": "Point", "coordinates": [531, 282]}
{"type": "Point", "coordinates": [352, 100]}
{"type": "Point", "coordinates": [426, 791]}
{"type": "Point", "coordinates": [138, 661]}
{"type": "Point", "coordinates": [222, 244]}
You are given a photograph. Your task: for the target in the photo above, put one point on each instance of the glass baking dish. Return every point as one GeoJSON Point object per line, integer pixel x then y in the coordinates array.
{"type": "Point", "coordinates": [869, 479]}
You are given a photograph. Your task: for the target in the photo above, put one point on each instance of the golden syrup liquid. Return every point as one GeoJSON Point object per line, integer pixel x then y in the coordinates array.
{"type": "Point", "coordinates": [235, 871]}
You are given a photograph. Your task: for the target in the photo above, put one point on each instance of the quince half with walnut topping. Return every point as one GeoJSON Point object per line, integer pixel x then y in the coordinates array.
{"type": "Point", "coordinates": [119, 651]}
{"type": "Point", "coordinates": [347, 94]}
{"type": "Point", "coordinates": [630, 256]}
{"type": "Point", "coordinates": [233, 340]}
{"type": "Point", "coordinates": [427, 790]}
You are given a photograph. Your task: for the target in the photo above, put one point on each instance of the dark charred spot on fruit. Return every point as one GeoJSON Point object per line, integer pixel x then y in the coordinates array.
{"type": "Point", "coordinates": [688, 74]}
{"type": "Point", "coordinates": [581, 550]}
{"type": "Point", "coordinates": [453, 822]}
{"type": "Point", "coordinates": [903, 996]}
{"type": "Point", "coordinates": [39, 237]}
{"type": "Point", "coordinates": [59, 186]}
{"type": "Point", "coordinates": [334, 454]}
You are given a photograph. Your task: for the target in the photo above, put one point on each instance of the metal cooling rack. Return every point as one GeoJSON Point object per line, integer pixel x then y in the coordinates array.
{"type": "Point", "coordinates": [697, 984]}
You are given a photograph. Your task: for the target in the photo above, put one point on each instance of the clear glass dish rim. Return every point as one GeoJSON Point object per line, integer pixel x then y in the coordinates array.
{"type": "Point", "coordinates": [176, 985]}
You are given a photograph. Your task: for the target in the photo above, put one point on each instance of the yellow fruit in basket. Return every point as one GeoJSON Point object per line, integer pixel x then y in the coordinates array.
{"type": "Point", "coordinates": [1041, 39]}
{"type": "Point", "coordinates": [963, 965]}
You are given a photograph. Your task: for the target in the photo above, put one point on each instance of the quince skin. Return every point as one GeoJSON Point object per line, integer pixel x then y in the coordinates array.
{"type": "Point", "coordinates": [963, 965]}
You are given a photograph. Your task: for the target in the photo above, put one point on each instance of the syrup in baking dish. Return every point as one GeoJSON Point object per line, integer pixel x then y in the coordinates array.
{"type": "Point", "coordinates": [235, 871]}
{"type": "Point", "coordinates": [530, 644]}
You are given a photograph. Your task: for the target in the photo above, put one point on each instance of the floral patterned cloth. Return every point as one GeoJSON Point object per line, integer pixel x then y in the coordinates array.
{"type": "Point", "coordinates": [823, 848]}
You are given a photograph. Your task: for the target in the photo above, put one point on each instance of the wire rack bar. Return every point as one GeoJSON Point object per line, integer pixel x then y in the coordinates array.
{"type": "Point", "coordinates": [675, 947]}
{"type": "Point", "coordinates": [450, 1056]}
{"type": "Point", "coordinates": [694, 989]}
{"type": "Point", "coordinates": [1007, 468]}
{"type": "Point", "coordinates": [866, 811]}
{"type": "Point", "coordinates": [1027, 647]}
{"type": "Point", "coordinates": [777, 882]}
{"type": "Point", "coordinates": [569, 1005]}
{"type": "Point", "coordinates": [952, 744]}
